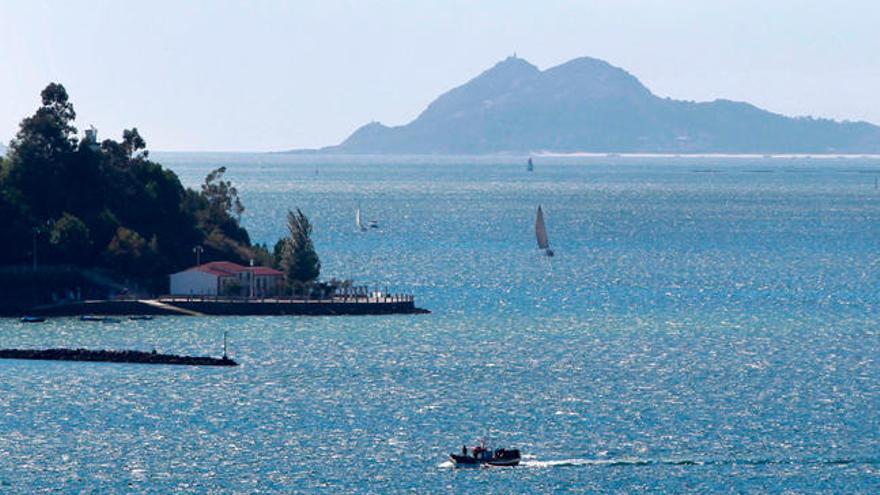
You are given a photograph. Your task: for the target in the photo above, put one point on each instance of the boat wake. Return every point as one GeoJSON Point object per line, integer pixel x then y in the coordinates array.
{"type": "Point", "coordinates": [544, 464]}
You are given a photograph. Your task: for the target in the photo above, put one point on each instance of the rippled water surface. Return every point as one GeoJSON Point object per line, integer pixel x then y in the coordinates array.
{"type": "Point", "coordinates": [707, 325]}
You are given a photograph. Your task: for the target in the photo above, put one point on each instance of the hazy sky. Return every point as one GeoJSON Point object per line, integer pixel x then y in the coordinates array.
{"type": "Point", "coordinates": [272, 75]}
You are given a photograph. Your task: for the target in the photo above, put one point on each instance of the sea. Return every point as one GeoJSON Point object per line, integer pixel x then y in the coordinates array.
{"type": "Point", "coordinates": [707, 325]}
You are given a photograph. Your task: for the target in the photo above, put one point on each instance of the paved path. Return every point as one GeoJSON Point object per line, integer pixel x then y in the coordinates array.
{"type": "Point", "coordinates": [168, 307]}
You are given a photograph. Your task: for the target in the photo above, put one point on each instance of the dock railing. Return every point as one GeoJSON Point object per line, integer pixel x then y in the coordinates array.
{"type": "Point", "coordinates": [375, 298]}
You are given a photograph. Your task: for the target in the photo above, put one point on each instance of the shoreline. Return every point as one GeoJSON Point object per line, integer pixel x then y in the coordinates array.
{"type": "Point", "coordinates": [327, 157]}
{"type": "Point", "coordinates": [750, 156]}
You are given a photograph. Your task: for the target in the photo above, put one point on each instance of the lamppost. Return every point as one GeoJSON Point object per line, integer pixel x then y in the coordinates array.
{"type": "Point", "coordinates": [252, 278]}
{"type": "Point", "coordinates": [198, 250]}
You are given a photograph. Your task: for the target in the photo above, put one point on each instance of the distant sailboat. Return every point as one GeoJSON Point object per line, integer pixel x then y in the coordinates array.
{"type": "Point", "coordinates": [541, 233]}
{"type": "Point", "coordinates": [357, 220]}
{"type": "Point", "coordinates": [531, 166]}
{"type": "Point", "coordinates": [359, 223]}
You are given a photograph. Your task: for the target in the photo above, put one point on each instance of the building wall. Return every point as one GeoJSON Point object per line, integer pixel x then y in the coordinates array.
{"type": "Point", "coordinates": [267, 285]}
{"type": "Point", "coordinates": [193, 282]}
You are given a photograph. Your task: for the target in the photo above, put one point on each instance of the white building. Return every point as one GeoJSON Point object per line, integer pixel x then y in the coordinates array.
{"type": "Point", "coordinates": [226, 278]}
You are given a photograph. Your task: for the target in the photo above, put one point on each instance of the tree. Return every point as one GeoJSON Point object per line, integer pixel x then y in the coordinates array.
{"type": "Point", "coordinates": [300, 262]}
{"type": "Point", "coordinates": [15, 231]}
{"type": "Point", "coordinates": [126, 250]}
{"type": "Point", "coordinates": [278, 253]}
{"type": "Point", "coordinates": [113, 207]}
{"type": "Point", "coordinates": [70, 239]}
{"type": "Point", "coordinates": [222, 196]}
{"type": "Point", "coordinates": [132, 142]}
{"type": "Point", "coordinates": [40, 153]}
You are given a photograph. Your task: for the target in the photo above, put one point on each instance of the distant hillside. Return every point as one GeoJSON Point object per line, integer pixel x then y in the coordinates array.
{"type": "Point", "coordinates": [589, 105]}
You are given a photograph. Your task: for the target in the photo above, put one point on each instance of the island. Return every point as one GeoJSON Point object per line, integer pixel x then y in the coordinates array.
{"type": "Point", "coordinates": [589, 105]}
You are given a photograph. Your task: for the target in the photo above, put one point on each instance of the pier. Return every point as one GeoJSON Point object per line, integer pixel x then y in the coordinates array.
{"type": "Point", "coordinates": [347, 304]}
{"type": "Point", "coordinates": [383, 304]}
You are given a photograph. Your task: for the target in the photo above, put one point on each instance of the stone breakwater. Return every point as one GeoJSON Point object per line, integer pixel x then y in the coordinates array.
{"type": "Point", "coordinates": [107, 356]}
{"type": "Point", "coordinates": [232, 307]}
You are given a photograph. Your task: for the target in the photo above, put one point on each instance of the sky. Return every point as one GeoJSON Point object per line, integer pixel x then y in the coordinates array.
{"type": "Point", "coordinates": [219, 75]}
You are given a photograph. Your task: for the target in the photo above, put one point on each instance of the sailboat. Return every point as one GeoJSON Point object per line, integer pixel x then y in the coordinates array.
{"type": "Point", "coordinates": [357, 220]}
{"type": "Point", "coordinates": [531, 166]}
{"type": "Point", "coordinates": [541, 233]}
{"type": "Point", "coordinates": [359, 223]}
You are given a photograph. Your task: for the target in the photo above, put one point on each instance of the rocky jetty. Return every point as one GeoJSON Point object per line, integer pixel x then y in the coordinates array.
{"type": "Point", "coordinates": [108, 356]}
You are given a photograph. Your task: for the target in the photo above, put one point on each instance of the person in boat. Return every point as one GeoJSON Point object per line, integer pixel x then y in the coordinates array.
{"type": "Point", "coordinates": [464, 450]}
{"type": "Point", "coordinates": [478, 452]}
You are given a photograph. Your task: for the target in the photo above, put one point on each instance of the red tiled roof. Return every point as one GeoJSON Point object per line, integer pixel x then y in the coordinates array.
{"type": "Point", "coordinates": [229, 269]}
{"type": "Point", "coordinates": [265, 270]}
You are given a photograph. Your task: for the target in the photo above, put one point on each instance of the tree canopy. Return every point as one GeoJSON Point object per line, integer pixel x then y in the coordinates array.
{"type": "Point", "coordinates": [299, 259]}
{"type": "Point", "coordinates": [108, 205]}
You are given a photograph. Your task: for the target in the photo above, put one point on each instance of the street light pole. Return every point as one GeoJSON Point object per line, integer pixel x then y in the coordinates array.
{"type": "Point", "coordinates": [252, 278]}
{"type": "Point", "coordinates": [198, 250]}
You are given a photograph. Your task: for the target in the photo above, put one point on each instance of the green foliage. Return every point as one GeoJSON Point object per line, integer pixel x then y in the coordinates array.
{"type": "Point", "coordinates": [40, 153]}
{"type": "Point", "coordinates": [126, 250]}
{"type": "Point", "coordinates": [222, 196]}
{"type": "Point", "coordinates": [278, 253]}
{"type": "Point", "coordinates": [15, 230]}
{"type": "Point", "coordinates": [114, 207]}
{"type": "Point", "coordinates": [261, 255]}
{"type": "Point", "coordinates": [132, 142]}
{"type": "Point", "coordinates": [70, 239]}
{"type": "Point", "coordinates": [299, 260]}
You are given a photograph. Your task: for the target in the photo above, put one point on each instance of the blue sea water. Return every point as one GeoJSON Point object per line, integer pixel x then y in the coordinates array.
{"type": "Point", "coordinates": [707, 326]}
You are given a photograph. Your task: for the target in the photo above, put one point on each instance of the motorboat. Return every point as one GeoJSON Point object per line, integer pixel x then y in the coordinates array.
{"type": "Point", "coordinates": [99, 319]}
{"type": "Point", "coordinates": [483, 456]}
{"type": "Point", "coordinates": [32, 319]}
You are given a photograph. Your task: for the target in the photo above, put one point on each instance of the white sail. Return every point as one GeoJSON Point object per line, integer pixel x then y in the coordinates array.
{"type": "Point", "coordinates": [357, 219]}
{"type": "Point", "coordinates": [541, 230]}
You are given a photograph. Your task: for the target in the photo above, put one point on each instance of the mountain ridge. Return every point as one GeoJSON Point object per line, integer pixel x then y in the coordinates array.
{"type": "Point", "coordinates": [589, 105]}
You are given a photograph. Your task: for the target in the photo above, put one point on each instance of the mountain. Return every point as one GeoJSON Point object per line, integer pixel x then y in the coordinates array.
{"type": "Point", "coordinates": [588, 105]}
